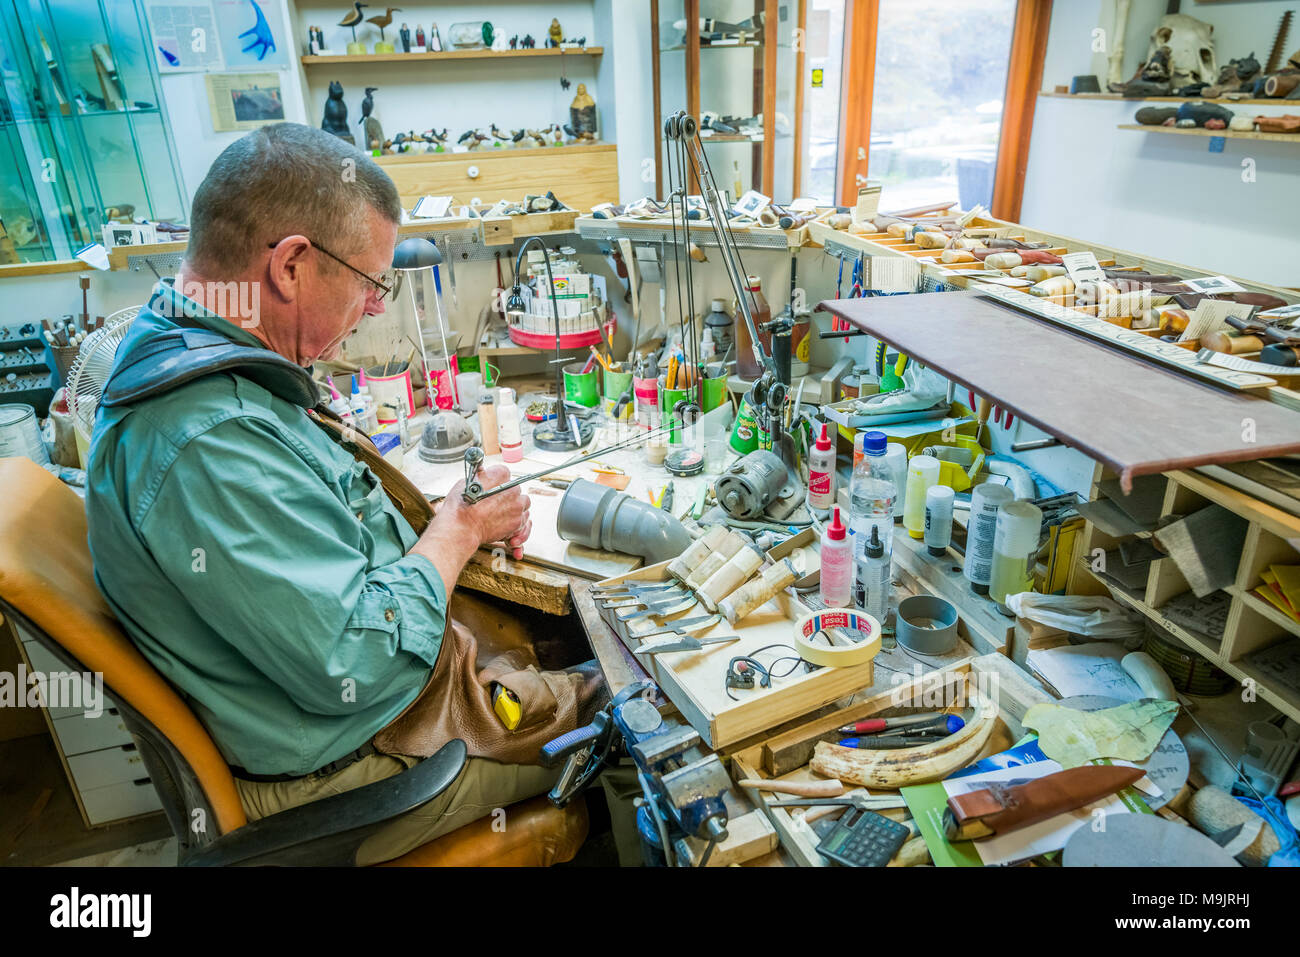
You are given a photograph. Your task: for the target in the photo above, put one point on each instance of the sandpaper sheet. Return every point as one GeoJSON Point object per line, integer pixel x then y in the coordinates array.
{"type": "Point", "coordinates": [1136, 417]}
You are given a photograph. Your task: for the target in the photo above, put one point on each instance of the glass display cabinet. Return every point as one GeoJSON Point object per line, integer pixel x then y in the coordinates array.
{"type": "Point", "coordinates": [83, 132]}
{"type": "Point", "coordinates": [732, 64]}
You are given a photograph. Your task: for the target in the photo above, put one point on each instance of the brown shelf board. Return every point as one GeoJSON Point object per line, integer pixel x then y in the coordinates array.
{"type": "Point", "coordinates": [367, 58]}
{"type": "Point", "coordinates": [1071, 386]}
{"type": "Point", "coordinates": [1280, 101]}
{"type": "Point", "coordinates": [479, 154]}
{"type": "Point", "coordinates": [1226, 134]}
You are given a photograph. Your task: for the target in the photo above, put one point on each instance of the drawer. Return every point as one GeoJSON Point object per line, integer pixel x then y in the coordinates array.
{"type": "Point", "coordinates": [82, 695]}
{"type": "Point", "coordinates": [116, 801]}
{"type": "Point", "coordinates": [97, 769]}
{"type": "Point", "coordinates": [78, 734]}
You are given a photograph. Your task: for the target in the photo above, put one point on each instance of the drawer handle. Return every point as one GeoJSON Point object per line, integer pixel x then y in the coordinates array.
{"type": "Point", "coordinates": [472, 172]}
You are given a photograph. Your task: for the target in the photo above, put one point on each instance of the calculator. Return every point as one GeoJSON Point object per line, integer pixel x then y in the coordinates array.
{"type": "Point", "coordinates": [863, 839]}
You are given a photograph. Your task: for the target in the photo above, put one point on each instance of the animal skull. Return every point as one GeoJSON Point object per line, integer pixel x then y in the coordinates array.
{"type": "Point", "coordinates": [1191, 47]}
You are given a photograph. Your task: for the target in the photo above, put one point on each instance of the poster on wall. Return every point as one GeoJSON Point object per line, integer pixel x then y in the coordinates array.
{"type": "Point", "coordinates": [244, 101]}
{"type": "Point", "coordinates": [251, 33]}
{"type": "Point", "coordinates": [184, 36]}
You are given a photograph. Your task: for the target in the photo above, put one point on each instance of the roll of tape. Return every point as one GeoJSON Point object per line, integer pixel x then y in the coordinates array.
{"type": "Point", "coordinates": [832, 656]}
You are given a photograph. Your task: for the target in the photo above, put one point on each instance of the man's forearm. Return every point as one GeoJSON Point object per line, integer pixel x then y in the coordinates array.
{"type": "Point", "coordinates": [447, 547]}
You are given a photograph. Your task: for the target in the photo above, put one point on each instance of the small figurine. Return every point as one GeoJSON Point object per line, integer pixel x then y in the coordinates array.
{"type": "Point", "coordinates": [582, 115]}
{"type": "Point", "coordinates": [528, 42]}
{"type": "Point", "coordinates": [405, 34]}
{"type": "Point", "coordinates": [315, 43]}
{"type": "Point", "coordinates": [374, 133]}
{"type": "Point", "coordinates": [435, 41]}
{"type": "Point", "coordinates": [383, 20]}
{"type": "Point", "coordinates": [514, 42]}
{"type": "Point", "coordinates": [419, 38]}
{"type": "Point", "coordinates": [336, 113]}
{"type": "Point", "coordinates": [555, 36]}
{"type": "Point", "coordinates": [499, 43]}
{"type": "Point", "coordinates": [353, 18]}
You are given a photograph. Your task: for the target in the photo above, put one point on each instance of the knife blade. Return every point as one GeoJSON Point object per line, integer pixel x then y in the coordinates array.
{"type": "Point", "coordinates": [631, 589]}
{"type": "Point", "coordinates": [683, 643]}
{"type": "Point", "coordinates": [682, 626]}
{"type": "Point", "coordinates": [661, 611]}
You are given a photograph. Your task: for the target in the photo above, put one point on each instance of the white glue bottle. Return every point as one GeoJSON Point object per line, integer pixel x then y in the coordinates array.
{"type": "Point", "coordinates": [512, 448]}
{"type": "Point", "coordinates": [938, 519]}
{"type": "Point", "coordinates": [985, 500]}
{"type": "Point", "coordinates": [837, 563]}
{"type": "Point", "coordinates": [876, 574]}
{"type": "Point", "coordinates": [821, 472]}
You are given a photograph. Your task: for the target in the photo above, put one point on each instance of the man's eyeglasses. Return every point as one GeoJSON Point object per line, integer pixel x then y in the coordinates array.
{"type": "Point", "coordinates": [384, 287]}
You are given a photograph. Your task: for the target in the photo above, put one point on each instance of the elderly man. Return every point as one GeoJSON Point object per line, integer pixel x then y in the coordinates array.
{"type": "Point", "coordinates": [255, 562]}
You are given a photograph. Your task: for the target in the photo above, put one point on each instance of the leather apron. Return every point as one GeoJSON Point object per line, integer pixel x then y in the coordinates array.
{"type": "Point", "coordinates": [456, 702]}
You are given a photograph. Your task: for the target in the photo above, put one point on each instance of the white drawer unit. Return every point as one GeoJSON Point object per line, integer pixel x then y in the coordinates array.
{"type": "Point", "coordinates": [115, 801]}
{"type": "Point", "coordinates": [104, 767]}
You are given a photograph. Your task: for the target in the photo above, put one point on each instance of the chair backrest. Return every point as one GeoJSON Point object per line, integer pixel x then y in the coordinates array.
{"type": "Point", "coordinates": [46, 579]}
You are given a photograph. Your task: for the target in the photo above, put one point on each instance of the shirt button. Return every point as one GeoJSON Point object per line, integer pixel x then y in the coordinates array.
{"type": "Point", "coordinates": [388, 614]}
{"type": "Point", "coordinates": [360, 515]}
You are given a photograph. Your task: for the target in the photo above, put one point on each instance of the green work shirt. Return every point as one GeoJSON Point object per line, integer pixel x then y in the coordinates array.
{"type": "Point", "coordinates": [257, 564]}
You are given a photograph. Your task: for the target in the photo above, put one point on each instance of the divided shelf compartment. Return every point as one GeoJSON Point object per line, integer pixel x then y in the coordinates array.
{"type": "Point", "coordinates": [1252, 624]}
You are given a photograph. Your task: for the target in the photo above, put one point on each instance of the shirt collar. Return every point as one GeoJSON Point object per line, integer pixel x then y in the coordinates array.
{"type": "Point", "coordinates": [170, 303]}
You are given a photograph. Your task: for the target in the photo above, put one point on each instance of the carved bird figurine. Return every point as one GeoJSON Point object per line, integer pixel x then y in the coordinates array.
{"type": "Point", "coordinates": [368, 104]}
{"type": "Point", "coordinates": [382, 20]}
{"type": "Point", "coordinates": [353, 18]}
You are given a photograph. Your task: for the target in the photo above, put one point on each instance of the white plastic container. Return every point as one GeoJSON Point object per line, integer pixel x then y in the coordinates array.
{"type": "Point", "coordinates": [896, 457]}
{"type": "Point", "coordinates": [837, 563]}
{"type": "Point", "coordinates": [985, 501]}
{"type": "Point", "coordinates": [922, 473]}
{"type": "Point", "coordinates": [938, 519]}
{"type": "Point", "coordinates": [512, 446]}
{"type": "Point", "coordinates": [875, 577]}
{"type": "Point", "coordinates": [1015, 543]}
{"type": "Point", "coordinates": [821, 472]}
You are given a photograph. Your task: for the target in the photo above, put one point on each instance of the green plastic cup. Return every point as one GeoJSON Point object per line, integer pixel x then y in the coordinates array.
{"type": "Point", "coordinates": [668, 399]}
{"type": "Point", "coordinates": [614, 385]}
{"type": "Point", "coordinates": [715, 392]}
{"type": "Point", "coordinates": [579, 386]}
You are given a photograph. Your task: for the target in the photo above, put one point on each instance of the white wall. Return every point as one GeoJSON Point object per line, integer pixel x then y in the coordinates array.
{"type": "Point", "coordinates": [1162, 195]}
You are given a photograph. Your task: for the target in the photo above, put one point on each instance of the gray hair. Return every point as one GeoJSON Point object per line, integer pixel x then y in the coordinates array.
{"type": "Point", "coordinates": [282, 180]}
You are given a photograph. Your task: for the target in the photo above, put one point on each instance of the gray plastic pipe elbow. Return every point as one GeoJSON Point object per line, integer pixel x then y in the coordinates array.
{"type": "Point", "coordinates": [601, 517]}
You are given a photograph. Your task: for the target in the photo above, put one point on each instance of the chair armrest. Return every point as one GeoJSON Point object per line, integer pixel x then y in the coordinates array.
{"type": "Point", "coordinates": [328, 832]}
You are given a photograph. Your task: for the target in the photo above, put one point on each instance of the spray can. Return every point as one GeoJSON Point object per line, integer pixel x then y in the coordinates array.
{"type": "Point", "coordinates": [837, 563]}
{"type": "Point", "coordinates": [821, 472]}
{"type": "Point", "coordinates": [985, 500]}
{"type": "Point", "coordinates": [744, 433]}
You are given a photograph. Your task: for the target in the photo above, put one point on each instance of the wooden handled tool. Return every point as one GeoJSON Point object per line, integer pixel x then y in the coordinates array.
{"type": "Point", "coordinates": [745, 599]}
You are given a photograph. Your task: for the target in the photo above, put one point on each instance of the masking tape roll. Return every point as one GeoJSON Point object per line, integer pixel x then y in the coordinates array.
{"type": "Point", "coordinates": [837, 656]}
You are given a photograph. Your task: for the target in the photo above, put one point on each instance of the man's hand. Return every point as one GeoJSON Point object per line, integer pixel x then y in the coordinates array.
{"type": "Point", "coordinates": [499, 518]}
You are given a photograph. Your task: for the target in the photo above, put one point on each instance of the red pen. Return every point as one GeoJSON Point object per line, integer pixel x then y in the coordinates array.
{"type": "Point", "coordinates": [916, 723]}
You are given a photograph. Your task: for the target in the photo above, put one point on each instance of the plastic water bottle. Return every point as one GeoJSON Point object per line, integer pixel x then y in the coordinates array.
{"type": "Point", "coordinates": [871, 503]}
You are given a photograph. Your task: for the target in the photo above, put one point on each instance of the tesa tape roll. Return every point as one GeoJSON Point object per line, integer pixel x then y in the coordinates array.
{"type": "Point", "coordinates": [837, 656]}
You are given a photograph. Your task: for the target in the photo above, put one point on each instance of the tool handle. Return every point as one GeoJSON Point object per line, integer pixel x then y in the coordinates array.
{"type": "Point", "coordinates": [554, 751]}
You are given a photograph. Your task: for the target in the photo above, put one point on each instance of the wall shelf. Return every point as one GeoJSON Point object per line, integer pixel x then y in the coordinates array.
{"type": "Point", "coordinates": [1276, 101]}
{"type": "Point", "coordinates": [369, 58]}
{"type": "Point", "coordinates": [1225, 134]}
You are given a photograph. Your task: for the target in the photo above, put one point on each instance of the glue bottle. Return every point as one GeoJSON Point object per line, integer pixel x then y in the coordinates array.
{"type": "Point", "coordinates": [837, 563]}
{"type": "Point", "coordinates": [985, 500]}
{"type": "Point", "coordinates": [938, 519]}
{"type": "Point", "coordinates": [512, 445]}
{"type": "Point", "coordinates": [922, 473]}
{"type": "Point", "coordinates": [339, 405]}
{"type": "Point", "coordinates": [821, 472]}
{"type": "Point", "coordinates": [875, 577]}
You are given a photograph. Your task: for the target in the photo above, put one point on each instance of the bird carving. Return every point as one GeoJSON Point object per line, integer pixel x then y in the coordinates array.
{"type": "Point", "coordinates": [382, 20]}
{"type": "Point", "coordinates": [353, 18]}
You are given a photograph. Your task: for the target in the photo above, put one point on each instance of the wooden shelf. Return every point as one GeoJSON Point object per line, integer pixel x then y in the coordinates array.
{"type": "Point", "coordinates": [1279, 101]}
{"type": "Point", "coordinates": [368, 58]}
{"type": "Point", "coordinates": [400, 158]}
{"type": "Point", "coordinates": [1260, 607]}
{"type": "Point", "coordinates": [1226, 134]}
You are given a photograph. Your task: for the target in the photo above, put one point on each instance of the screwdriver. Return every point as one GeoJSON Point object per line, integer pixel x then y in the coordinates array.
{"type": "Point", "coordinates": [915, 724]}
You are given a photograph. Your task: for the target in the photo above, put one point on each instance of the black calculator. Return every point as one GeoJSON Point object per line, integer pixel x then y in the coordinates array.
{"type": "Point", "coordinates": [863, 839]}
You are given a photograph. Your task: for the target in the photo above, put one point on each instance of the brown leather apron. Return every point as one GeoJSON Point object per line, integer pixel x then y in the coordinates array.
{"type": "Point", "coordinates": [456, 702]}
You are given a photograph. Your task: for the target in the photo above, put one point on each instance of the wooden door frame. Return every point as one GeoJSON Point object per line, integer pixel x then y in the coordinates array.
{"type": "Point", "coordinates": [1024, 79]}
{"type": "Point", "coordinates": [857, 87]}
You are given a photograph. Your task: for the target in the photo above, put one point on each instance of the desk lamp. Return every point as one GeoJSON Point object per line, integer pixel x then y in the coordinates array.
{"type": "Point", "coordinates": [411, 256]}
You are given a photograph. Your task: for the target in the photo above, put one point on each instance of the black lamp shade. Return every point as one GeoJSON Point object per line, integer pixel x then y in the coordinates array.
{"type": "Point", "coordinates": [416, 253]}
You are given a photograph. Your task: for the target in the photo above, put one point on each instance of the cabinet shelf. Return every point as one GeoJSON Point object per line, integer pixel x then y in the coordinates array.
{"type": "Point", "coordinates": [1162, 99]}
{"type": "Point", "coordinates": [1225, 134]}
{"type": "Point", "coordinates": [368, 58]}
